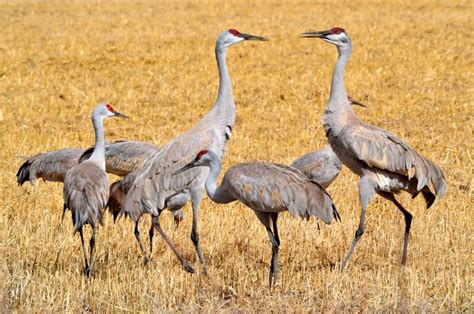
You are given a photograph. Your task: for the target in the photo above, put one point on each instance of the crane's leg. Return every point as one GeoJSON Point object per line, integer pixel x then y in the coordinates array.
{"type": "Point", "coordinates": [136, 232]}
{"type": "Point", "coordinates": [273, 274]}
{"type": "Point", "coordinates": [156, 224]}
{"type": "Point", "coordinates": [92, 249]}
{"type": "Point", "coordinates": [86, 267]}
{"type": "Point", "coordinates": [151, 232]}
{"type": "Point", "coordinates": [64, 212]}
{"type": "Point", "coordinates": [196, 197]}
{"type": "Point", "coordinates": [276, 248]}
{"type": "Point", "coordinates": [408, 219]}
{"type": "Point", "coordinates": [366, 192]}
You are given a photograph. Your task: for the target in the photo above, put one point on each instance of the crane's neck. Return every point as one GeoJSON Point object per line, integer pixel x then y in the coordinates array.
{"type": "Point", "coordinates": [98, 155]}
{"type": "Point", "coordinates": [338, 96]}
{"type": "Point", "coordinates": [338, 110]}
{"type": "Point", "coordinates": [211, 180]}
{"type": "Point", "coordinates": [224, 107]}
{"type": "Point", "coordinates": [217, 194]}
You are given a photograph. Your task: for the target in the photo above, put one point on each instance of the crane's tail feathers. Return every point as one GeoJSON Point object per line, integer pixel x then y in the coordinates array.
{"type": "Point", "coordinates": [86, 154]}
{"type": "Point", "coordinates": [23, 173]}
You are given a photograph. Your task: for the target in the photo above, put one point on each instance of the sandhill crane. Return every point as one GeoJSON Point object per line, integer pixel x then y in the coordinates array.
{"type": "Point", "coordinates": [385, 163]}
{"type": "Point", "coordinates": [50, 166]}
{"type": "Point", "coordinates": [155, 188]}
{"type": "Point", "coordinates": [268, 189]}
{"type": "Point", "coordinates": [123, 158]}
{"type": "Point", "coordinates": [322, 165]}
{"type": "Point", "coordinates": [86, 187]}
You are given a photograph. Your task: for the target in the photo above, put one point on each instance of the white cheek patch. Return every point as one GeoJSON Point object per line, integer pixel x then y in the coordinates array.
{"type": "Point", "coordinates": [337, 37]}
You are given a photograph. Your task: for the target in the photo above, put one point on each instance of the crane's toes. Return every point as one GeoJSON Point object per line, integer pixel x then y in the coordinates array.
{"type": "Point", "coordinates": [146, 260]}
{"type": "Point", "coordinates": [188, 268]}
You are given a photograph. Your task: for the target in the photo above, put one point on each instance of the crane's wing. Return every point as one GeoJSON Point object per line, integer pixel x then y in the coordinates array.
{"type": "Point", "coordinates": [123, 157]}
{"type": "Point", "coordinates": [86, 191]}
{"type": "Point", "coordinates": [155, 182]}
{"type": "Point", "coordinates": [271, 187]}
{"type": "Point", "coordinates": [321, 165]}
{"type": "Point", "coordinates": [51, 166]}
{"type": "Point", "coordinates": [384, 150]}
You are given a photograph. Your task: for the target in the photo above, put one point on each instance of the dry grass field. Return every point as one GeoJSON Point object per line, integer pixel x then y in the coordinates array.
{"type": "Point", "coordinates": [412, 64]}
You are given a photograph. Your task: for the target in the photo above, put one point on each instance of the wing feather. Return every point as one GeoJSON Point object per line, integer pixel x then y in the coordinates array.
{"type": "Point", "coordinates": [381, 149]}
{"type": "Point", "coordinates": [271, 187]}
{"type": "Point", "coordinates": [86, 192]}
{"type": "Point", "coordinates": [50, 166]}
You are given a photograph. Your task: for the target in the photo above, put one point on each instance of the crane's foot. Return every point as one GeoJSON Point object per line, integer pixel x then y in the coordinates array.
{"type": "Point", "coordinates": [188, 268]}
{"type": "Point", "coordinates": [146, 260]}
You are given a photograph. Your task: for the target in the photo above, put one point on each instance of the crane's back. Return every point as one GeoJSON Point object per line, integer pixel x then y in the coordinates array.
{"type": "Point", "coordinates": [269, 187]}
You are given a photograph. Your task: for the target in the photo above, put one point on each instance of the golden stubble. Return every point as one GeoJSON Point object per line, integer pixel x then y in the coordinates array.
{"type": "Point", "coordinates": [411, 64]}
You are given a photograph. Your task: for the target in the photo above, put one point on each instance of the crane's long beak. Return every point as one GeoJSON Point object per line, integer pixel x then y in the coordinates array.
{"type": "Point", "coordinates": [120, 115]}
{"type": "Point", "coordinates": [252, 37]}
{"type": "Point", "coordinates": [320, 34]}
{"type": "Point", "coordinates": [355, 102]}
{"type": "Point", "coordinates": [188, 166]}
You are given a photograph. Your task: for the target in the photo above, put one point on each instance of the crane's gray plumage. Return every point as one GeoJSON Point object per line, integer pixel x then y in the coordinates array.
{"type": "Point", "coordinates": [123, 157]}
{"type": "Point", "coordinates": [267, 189]}
{"type": "Point", "coordinates": [50, 166]}
{"type": "Point", "coordinates": [155, 187]}
{"type": "Point", "coordinates": [86, 191]}
{"type": "Point", "coordinates": [321, 166]}
{"type": "Point", "coordinates": [385, 163]}
{"type": "Point", "coordinates": [86, 187]}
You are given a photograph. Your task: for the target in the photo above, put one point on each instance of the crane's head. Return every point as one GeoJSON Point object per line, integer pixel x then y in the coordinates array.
{"type": "Point", "coordinates": [203, 158]}
{"type": "Point", "coordinates": [232, 36]}
{"type": "Point", "coordinates": [355, 102]}
{"type": "Point", "coordinates": [105, 110]}
{"type": "Point", "coordinates": [336, 36]}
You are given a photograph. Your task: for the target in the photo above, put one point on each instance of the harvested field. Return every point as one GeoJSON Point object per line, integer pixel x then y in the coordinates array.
{"type": "Point", "coordinates": [412, 64]}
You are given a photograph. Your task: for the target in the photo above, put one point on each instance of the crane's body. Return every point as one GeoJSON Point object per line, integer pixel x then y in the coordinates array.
{"type": "Point", "coordinates": [86, 187]}
{"type": "Point", "coordinates": [267, 189]}
{"type": "Point", "coordinates": [155, 187]}
{"type": "Point", "coordinates": [124, 158]}
{"type": "Point", "coordinates": [322, 166]}
{"type": "Point", "coordinates": [385, 163]}
{"type": "Point", "coordinates": [50, 166]}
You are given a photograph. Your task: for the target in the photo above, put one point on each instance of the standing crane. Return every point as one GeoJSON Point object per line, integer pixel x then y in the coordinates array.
{"type": "Point", "coordinates": [122, 158]}
{"type": "Point", "coordinates": [155, 188]}
{"type": "Point", "coordinates": [385, 163]}
{"type": "Point", "coordinates": [322, 165]}
{"type": "Point", "coordinates": [86, 187]}
{"type": "Point", "coordinates": [267, 189]}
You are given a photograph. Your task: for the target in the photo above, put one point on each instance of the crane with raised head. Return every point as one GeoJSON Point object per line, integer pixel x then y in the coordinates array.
{"type": "Point", "coordinates": [322, 165]}
{"type": "Point", "coordinates": [86, 187]}
{"type": "Point", "coordinates": [155, 188]}
{"type": "Point", "coordinates": [385, 163]}
{"type": "Point", "coordinates": [268, 189]}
